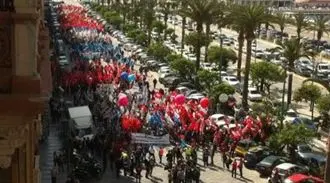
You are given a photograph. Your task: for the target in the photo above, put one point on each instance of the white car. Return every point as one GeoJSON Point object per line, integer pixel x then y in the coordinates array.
{"type": "Point", "coordinates": [254, 94]}
{"type": "Point", "coordinates": [196, 96]}
{"type": "Point", "coordinates": [182, 90]}
{"type": "Point", "coordinates": [164, 71]}
{"type": "Point", "coordinates": [285, 170]}
{"type": "Point", "coordinates": [226, 42]}
{"type": "Point", "coordinates": [220, 119]}
{"type": "Point", "coordinates": [207, 66]}
{"type": "Point", "coordinates": [231, 80]}
{"type": "Point", "coordinates": [258, 53]}
{"type": "Point", "coordinates": [276, 61]}
{"type": "Point", "coordinates": [290, 116]}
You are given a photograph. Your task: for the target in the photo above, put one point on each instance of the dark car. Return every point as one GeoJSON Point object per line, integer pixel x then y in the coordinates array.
{"type": "Point", "coordinates": [308, 123]}
{"type": "Point", "coordinates": [266, 166]}
{"type": "Point", "coordinates": [314, 160]}
{"type": "Point", "coordinates": [255, 155]}
{"type": "Point", "coordinates": [171, 81]}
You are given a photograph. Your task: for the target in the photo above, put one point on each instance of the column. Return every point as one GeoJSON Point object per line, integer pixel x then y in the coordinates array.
{"type": "Point", "coordinates": [25, 49]}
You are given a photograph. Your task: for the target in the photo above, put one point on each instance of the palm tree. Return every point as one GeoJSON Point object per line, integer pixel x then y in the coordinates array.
{"type": "Point", "coordinates": [300, 21]}
{"type": "Point", "coordinates": [198, 11]}
{"type": "Point", "coordinates": [165, 10]}
{"type": "Point", "coordinates": [320, 26]}
{"type": "Point", "coordinates": [149, 17]}
{"type": "Point", "coordinates": [292, 51]}
{"type": "Point", "coordinates": [216, 15]}
{"type": "Point", "coordinates": [249, 17]}
{"type": "Point", "coordinates": [281, 21]}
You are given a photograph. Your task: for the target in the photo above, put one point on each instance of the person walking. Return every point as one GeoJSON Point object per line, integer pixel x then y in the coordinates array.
{"type": "Point", "coordinates": [161, 153]}
{"type": "Point", "coordinates": [206, 155]}
{"type": "Point", "coordinates": [240, 167]}
{"type": "Point", "coordinates": [155, 82]}
{"type": "Point", "coordinates": [233, 169]}
{"type": "Point", "coordinates": [54, 173]}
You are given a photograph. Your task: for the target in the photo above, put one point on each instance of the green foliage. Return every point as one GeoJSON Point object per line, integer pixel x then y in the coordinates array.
{"type": "Point", "coordinates": [207, 79]}
{"type": "Point", "coordinates": [195, 40]}
{"type": "Point", "coordinates": [291, 135]}
{"type": "Point", "coordinates": [218, 89]}
{"type": "Point", "coordinates": [323, 103]}
{"type": "Point", "coordinates": [130, 28]}
{"type": "Point", "coordinates": [159, 51]}
{"type": "Point", "coordinates": [171, 57]}
{"type": "Point", "coordinates": [159, 27]}
{"type": "Point", "coordinates": [184, 67]}
{"type": "Point", "coordinates": [265, 107]}
{"type": "Point", "coordinates": [114, 19]}
{"type": "Point", "coordinates": [169, 31]}
{"type": "Point", "coordinates": [223, 55]}
{"type": "Point", "coordinates": [307, 92]}
{"type": "Point", "coordinates": [266, 74]}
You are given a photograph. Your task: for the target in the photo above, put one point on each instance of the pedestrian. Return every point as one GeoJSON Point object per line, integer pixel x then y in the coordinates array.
{"type": "Point", "coordinates": [155, 82]}
{"type": "Point", "coordinates": [228, 161]}
{"type": "Point", "coordinates": [240, 167]}
{"type": "Point", "coordinates": [54, 173]}
{"type": "Point", "coordinates": [206, 154]}
{"type": "Point", "coordinates": [233, 169]}
{"type": "Point", "coordinates": [161, 153]}
{"type": "Point", "coordinates": [224, 159]}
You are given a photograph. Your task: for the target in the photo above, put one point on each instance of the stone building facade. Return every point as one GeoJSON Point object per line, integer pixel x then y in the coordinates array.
{"type": "Point", "coordinates": [25, 86]}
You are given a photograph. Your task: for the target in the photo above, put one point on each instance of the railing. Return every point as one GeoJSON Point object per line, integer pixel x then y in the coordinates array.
{"type": "Point", "coordinates": [7, 5]}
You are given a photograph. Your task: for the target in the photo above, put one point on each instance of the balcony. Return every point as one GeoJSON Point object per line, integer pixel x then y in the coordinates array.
{"type": "Point", "coordinates": [7, 5]}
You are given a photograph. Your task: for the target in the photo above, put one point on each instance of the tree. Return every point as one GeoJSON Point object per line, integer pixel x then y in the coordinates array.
{"type": "Point", "coordinates": [199, 11]}
{"type": "Point", "coordinates": [290, 137]}
{"type": "Point", "coordinates": [115, 20]}
{"type": "Point", "coordinates": [165, 9]}
{"type": "Point", "coordinates": [218, 89]}
{"type": "Point", "coordinates": [196, 40]}
{"type": "Point", "coordinates": [323, 103]}
{"type": "Point", "coordinates": [249, 18]}
{"type": "Point", "coordinates": [184, 67]}
{"type": "Point", "coordinates": [221, 56]}
{"type": "Point", "coordinates": [301, 23]}
{"type": "Point", "coordinates": [264, 74]}
{"type": "Point", "coordinates": [320, 26]}
{"type": "Point", "coordinates": [207, 79]}
{"type": "Point", "coordinates": [281, 21]}
{"type": "Point", "coordinates": [292, 51]}
{"type": "Point", "coordinates": [159, 51]}
{"type": "Point", "coordinates": [159, 28]}
{"type": "Point", "coordinates": [307, 93]}
{"type": "Point", "coordinates": [149, 17]}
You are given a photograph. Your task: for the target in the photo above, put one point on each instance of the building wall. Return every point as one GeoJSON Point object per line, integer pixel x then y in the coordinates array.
{"type": "Point", "coordinates": [25, 84]}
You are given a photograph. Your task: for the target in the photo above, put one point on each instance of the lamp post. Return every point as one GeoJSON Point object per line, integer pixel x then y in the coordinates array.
{"type": "Point", "coordinates": [283, 98]}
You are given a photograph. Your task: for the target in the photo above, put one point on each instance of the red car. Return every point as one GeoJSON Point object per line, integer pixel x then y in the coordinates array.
{"type": "Point", "coordinates": [301, 178]}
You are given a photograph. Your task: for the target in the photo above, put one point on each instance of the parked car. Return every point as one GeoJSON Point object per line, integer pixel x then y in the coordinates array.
{"type": "Point", "coordinates": [284, 171]}
{"type": "Point", "coordinates": [232, 81]}
{"type": "Point", "coordinates": [304, 71]}
{"type": "Point", "coordinates": [165, 75]}
{"type": "Point", "coordinates": [243, 146]}
{"type": "Point", "coordinates": [171, 81]}
{"type": "Point", "coordinates": [221, 119]}
{"type": "Point", "coordinates": [314, 160]}
{"type": "Point", "coordinates": [195, 96]}
{"type": "Point", "coordinates": [254, 94]}
{"type": "Point", "coordinates": [290, 116]}
{"type": "Point", "coordinates": [306, 122]}
{"type": "Point", "coordinates": [265, 166]}
{"type": "Point", "coordinates": [302, 178]}
{"type": "Point", "coordinates": [255, 155]}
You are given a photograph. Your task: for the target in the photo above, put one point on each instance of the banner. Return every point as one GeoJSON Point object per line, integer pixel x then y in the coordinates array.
{"type": "Point", "coordinates": [141, 138]}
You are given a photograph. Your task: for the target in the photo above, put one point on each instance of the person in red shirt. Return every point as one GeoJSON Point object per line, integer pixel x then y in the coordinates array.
{"type": "Point", "coordinates": [233, 169]}
{"type": "Point", "coordinates": [161, 153]}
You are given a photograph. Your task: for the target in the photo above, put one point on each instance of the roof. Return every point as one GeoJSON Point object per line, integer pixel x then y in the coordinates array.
{"type": "Point", "coordinates": [285, 166]}
{"type": "Point", "coordinates": [83, 122]}
{"type": "Point", "coordinates": [77, 112]}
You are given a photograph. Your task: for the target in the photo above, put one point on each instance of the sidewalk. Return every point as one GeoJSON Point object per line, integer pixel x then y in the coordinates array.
{"type": "Point", "coordinates": [52, 143]}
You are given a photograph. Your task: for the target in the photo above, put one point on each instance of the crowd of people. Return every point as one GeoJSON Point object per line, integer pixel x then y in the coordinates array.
{"type": "Point", "coordinates": [123, 102]}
